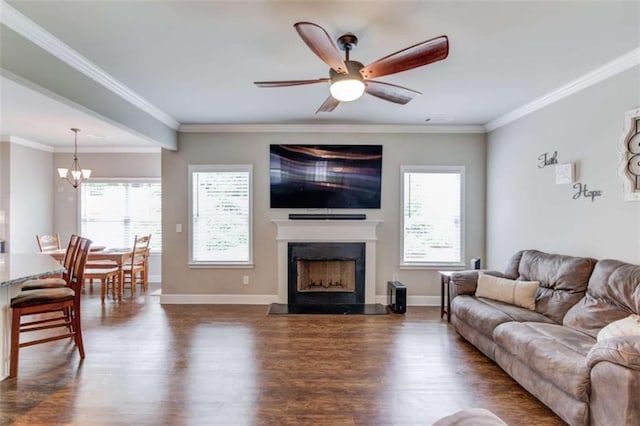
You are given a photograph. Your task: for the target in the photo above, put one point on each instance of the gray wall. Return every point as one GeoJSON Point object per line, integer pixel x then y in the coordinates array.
{"type": "Point", "coordinates": [30, 198]}
{"type": "Point", "coordinates": [399, 149]}
{"type": "Point", "coordinates": [102, 165]}
{"type": "Point", "coordinates": [526, 209]}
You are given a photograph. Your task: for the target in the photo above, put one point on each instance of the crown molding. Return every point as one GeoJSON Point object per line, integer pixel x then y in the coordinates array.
{"type": "Point", "coordinates": [26, 142]}
{"type": "Point", "coordinates": [82, 150]}
{"type": "Point", "coordinates": [618, 65]}
{"type": "Point", "coordinates": [109, 150]}
{"type": "Point", "coordinates": [51, 44]}
{"type": "Point", "coordinates": [327, 128]}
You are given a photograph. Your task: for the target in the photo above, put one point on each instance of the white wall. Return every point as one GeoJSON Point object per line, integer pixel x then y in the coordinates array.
{"type": "Point", "coordinates": [526, 209]}
{"type": "Point", "coordinates": [102, 165]}
{"type": "Point", "coordinates": [4, 192]}
{"type": "Point", "coordinates": [398, 149]}
{"type": "Point", "coordinates": [30, 197]}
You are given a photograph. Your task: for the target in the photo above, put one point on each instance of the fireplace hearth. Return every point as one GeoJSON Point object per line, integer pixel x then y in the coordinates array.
{"type": "Point", "coordinates": [326, 273]}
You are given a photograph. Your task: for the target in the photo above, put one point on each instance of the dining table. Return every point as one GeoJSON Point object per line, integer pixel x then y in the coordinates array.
{"type": "Point", "coordinates": [16, 268]}
{"type": "Point", "coordinates": [116, 256]}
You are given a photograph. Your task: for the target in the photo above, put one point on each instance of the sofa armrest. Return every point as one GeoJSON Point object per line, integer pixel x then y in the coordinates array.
{"type": "Point", "coordinates": [465, 282]}
{"type": "Point", "coordinates": [613, 399]}
{"type": "Point", "coordinates": [624, 351]}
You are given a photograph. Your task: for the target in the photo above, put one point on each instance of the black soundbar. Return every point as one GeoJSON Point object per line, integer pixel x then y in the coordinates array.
{"type": "Point", "coordinates": [313, 216]}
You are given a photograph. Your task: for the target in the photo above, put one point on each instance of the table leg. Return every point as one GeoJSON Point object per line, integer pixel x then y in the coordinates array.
{"type": "Point", "coordinates": [448, 299]}
{"type": "Point", "coordinates": [121, 281]}
{"type": "Point", "coordinates": [445, 298]}
{"type": "Point", "coordinates": [442, 285]}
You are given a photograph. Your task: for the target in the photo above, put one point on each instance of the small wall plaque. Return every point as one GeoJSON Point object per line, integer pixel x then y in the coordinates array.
{"type": "Point", "coordinates": [565, 173]}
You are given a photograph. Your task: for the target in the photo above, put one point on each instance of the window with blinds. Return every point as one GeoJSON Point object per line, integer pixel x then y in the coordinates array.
{"type": "Point", "coordinates": [220, 214]}
{"type": "Point", "coordinates": [432, 220]}
{"type": "Point", "coordinates": [112, 213]}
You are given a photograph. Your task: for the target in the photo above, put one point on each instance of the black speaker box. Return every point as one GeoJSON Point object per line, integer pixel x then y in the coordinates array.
{"type": "Point", "coordinates": [396, 297]}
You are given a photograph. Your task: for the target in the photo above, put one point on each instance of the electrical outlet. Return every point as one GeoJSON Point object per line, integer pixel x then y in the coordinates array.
{"type": "Point", "coordinates": [245, 280]}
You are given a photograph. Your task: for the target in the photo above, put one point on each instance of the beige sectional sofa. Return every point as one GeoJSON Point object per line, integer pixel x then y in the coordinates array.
{"type": "Point", "coordinates": [553, 351]}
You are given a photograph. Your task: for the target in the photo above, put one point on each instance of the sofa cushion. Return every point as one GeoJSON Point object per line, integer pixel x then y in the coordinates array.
{"type": "Point", "coordinates": [552, 351]}
{"type": "Point", "coordinates": [613, 294]}
{"type": "Point", "coordinates": [511, 271]}
{"type": "Point", "coordinates": [563, 280]}
{"type": "Point", "coordinates": [466, 282]}
{"type": "Point", "coordinates": [513, 292]}
{"type": "Point", "coordinates": [629, 326]}
{"type": "Point", "coordinates": [485, 315]}
{"type": "Point", "coordinates": [471, 417]}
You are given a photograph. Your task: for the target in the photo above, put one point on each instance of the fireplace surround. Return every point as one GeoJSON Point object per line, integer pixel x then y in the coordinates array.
{"type": "Point", "coordinates": [327, 231]}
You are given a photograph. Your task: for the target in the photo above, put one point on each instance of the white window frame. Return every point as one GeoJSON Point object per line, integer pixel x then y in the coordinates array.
{"type": "Point", "coordinates": [220, 168]}
{"type": "Point", "coordinates": [116, 180]}
{"type": "Point", "coordinates": [434, 169]}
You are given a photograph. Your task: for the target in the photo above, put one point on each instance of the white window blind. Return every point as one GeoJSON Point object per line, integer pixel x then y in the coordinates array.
{"type": "Point", "coordinates": [221, 214]}
{"type": "Point", "coordinates": [112, 213]}
{"type": "Point", "coordinates": [432, 199]}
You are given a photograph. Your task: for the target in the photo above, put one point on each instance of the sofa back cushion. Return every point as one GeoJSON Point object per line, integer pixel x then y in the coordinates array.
{"type": "Point", "coordinates": [613, 293]}
{"type": "Point", "coordinates": [563, 280]}
{"type": "Point", "coordinates": [511, 271]}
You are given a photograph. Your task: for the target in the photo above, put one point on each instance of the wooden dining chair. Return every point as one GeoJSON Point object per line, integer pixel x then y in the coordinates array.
{"type": "Point", "coordinates": [48, 242]}
{"type": "Point", "coordinates": [109, 276]}
{"type": "Point", "coordinates": [47, 301]}
{"type": "Point", "coordinates": [67, 263]}
{"type": "Point", "coordinates": [135, 270]}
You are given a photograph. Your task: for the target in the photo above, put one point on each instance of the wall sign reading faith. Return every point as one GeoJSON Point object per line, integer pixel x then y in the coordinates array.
{"type": "Point", "coordinates": [546, 160]}
{"type": "Point", "coordinates": [584, 192]}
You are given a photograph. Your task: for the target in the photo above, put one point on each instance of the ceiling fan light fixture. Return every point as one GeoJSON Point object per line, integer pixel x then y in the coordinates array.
{"type": "Point", "coordinates": [347, 90]}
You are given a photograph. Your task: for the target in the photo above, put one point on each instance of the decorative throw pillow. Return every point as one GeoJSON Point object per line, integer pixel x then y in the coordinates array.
{"type": "Point", "coordinates": [629, 326]}
{"type": "Point", "coordinates": [519, 293]}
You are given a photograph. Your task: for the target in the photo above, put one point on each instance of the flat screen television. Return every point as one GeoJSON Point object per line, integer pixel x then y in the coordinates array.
{"type": "Point", "coordinates": [325, 176]}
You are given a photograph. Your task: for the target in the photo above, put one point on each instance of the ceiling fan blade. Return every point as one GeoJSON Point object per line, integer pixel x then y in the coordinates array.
{"type": "Point", "coordinates": [415, 56]}
{"type": "Point", "coordinates": [328, 105]}
{"type": "Point", "coordinates": [321, 44]}
{"type": "Point", "coordinates": [390, 92]}
{"type": "Point", "coordinates": [285, 83]}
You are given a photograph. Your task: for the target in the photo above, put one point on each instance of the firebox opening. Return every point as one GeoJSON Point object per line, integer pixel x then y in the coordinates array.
{"type": "Point", "coordinates": [326, 275]}
{"type": "Point", "coordinates": [323, 273]}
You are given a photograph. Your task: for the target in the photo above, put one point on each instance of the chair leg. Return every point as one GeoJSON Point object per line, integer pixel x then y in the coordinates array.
{"type": "Point", "coordinates": [68, 319]}
{"type": "Point", "coordinates": [78, 332]}
{"type": "Point", "coordinates": [15, 343]}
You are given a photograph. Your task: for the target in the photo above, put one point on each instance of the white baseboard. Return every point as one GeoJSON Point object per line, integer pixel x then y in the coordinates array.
{"type": "Point", "coordinates": [218, 299]}
{"type": "Point", "coordinates": [414, 300]}
{"type": "Point", "coordinates": [265, 299]}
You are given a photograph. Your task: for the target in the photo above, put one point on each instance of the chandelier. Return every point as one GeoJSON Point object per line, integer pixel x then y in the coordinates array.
{"type": "Point", "coordinates": [74, 174]}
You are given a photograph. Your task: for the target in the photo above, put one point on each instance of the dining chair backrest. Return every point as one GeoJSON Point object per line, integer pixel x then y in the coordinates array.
{"type": "Point", "coordinates": [48, 242]}
{"type": "Point", "coordinates": [77, 270]}
{"type": "Point", "coordinates": [69, 255]}
{"type": "Point", "coordinates": [140, 250]}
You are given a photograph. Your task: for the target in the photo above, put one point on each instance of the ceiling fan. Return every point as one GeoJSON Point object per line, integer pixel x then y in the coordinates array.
{"type": "Point", "coordinates": [350, 79]}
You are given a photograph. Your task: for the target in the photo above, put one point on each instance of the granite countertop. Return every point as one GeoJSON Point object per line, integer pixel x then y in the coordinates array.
{"type": "Point", "coordinates": [18, 267]}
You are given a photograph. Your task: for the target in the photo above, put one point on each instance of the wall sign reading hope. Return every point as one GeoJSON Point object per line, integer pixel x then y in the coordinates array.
{"type": "Point", "coordinates": [584, 192]}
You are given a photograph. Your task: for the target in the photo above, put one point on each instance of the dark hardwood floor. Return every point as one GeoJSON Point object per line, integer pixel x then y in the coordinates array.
{"type": "Point", "coordinates": [149, 364]}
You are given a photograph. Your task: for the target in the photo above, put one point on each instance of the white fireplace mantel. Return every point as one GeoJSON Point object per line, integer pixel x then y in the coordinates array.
{"type": "Point", "coordinates": [327, 231]}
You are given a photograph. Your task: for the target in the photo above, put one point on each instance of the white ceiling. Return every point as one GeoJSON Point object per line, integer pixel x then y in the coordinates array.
{"type": "Point", "coordinates": [34, 116]}
{"type": "Point", "coordinates": [196, 61]}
